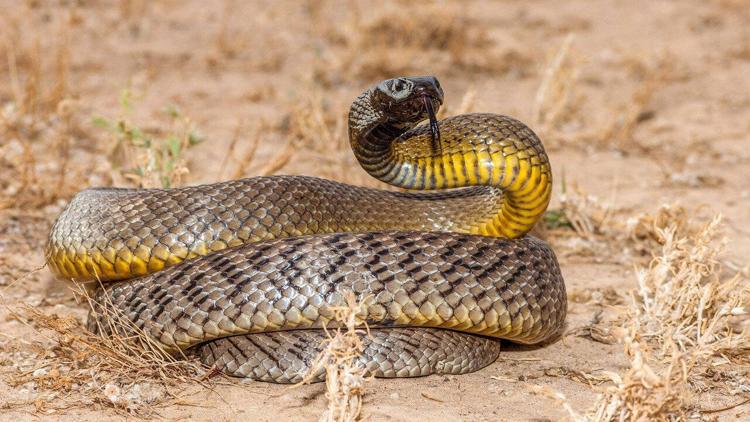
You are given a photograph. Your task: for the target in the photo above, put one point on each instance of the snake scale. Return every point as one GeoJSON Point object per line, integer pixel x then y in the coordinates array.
{"type": "Point", "coordinates": [245, 272]}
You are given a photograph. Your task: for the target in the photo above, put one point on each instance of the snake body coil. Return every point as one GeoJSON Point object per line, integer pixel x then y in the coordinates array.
{"type": "Point", "coordinates": [249, 269]}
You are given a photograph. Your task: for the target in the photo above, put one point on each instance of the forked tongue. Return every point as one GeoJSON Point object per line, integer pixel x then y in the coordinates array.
{"type": "Point", "coordinates": [434, 128]}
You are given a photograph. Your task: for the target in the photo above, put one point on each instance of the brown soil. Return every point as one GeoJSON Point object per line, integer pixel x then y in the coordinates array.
{"type": "Point", "coordinates": [653, 108]}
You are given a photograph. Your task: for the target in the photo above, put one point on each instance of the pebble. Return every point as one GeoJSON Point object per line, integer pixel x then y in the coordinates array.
{"type": "Point", "coordinates": [112, 393]}
{"type": "Point", "coordinates": [40, 372]}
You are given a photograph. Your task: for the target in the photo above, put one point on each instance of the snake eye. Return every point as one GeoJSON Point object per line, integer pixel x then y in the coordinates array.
{"type": "Point", "coordinates": [394, 90]}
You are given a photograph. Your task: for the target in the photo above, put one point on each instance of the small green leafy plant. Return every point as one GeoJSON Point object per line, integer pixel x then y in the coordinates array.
{"type": "Point", "coordinates": [557, 219]}
{"type": "Point", "coordinates": [149, 158]}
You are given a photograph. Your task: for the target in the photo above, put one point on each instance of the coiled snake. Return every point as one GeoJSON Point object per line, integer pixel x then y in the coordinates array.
{"type": "Point", "coordinates": [249, 269]}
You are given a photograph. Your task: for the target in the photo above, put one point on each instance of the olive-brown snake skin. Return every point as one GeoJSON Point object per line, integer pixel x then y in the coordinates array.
{"type": "Point", "coordinates": [248, 270]}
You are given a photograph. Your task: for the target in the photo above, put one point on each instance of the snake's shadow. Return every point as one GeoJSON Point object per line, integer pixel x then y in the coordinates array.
{"type": "Point", "coordinates": [508, 346]}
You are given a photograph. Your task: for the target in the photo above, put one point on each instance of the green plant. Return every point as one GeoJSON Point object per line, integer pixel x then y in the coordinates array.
{"type": "Point", "coordinates": [149, 159]}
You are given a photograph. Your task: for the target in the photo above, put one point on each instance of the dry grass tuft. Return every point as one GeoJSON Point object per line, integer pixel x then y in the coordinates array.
{"type": "Point", "coordinates": [582, 225]}
{"type": "Point", "coordinates": [74, 368]}
{"type": "Point", "coordinates": [38, 80]}
{"type": "Point", "coordinates": [683, 298]}
{"type": "Point", "coordinates": [586, 214]}
{"type": "Point", "coordinates": [682, 325]}
{"type": "Point", "coordinates": [645, 230]}
{"type": "Point", "coordinates": [644, 393]}
{"type": "Point", "coordinates": [685, 324]}
{"type": "Point", "coordinates": [242, 166]}
{"type": "Point", "coordinates": [227, 45]}
{"type": "Point", "coordinates": [345, 377]}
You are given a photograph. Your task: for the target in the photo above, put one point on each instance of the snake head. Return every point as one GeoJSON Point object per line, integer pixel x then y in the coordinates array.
{"type": "Point", "coordinates": [409, 100]}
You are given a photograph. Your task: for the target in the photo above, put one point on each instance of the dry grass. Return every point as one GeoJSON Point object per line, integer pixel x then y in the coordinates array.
{"type": "Point", "coordinates": [683, 297]}
{"type": "Point", "coordinates": [318, 125]}
{"type": "Point", "coordinates": [563, 115]}
{"type": "Point", "coordinates": [314, 130]}
{"type": "Point", "coordinates": [555, 100]}
{"type": "Point", "coordinates": [685, 322]}
{"type": "Point", "coordinates": [585, 214]}
{"type": "Point", "coordinates": [377, 44]}
{"type": "Point", "coordinates": [39, 124]}
{"type": "Point", "coordinates": [644, 231]}
{"type": "Point", "coordinates": [38, 80]}
{"type": "Point", "coordinates": [345, 377]}
{"type": "Point", "coordinates": [73, 368]}
{"type": "Point", "coordinates": [227, 45]}
{"type": "Point", "coordinates": [682, 325]}
{"type": "Point", "coordinates": [584, 226]}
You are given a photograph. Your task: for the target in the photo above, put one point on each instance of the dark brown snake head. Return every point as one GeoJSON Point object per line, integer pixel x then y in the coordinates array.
{"type": "Point", "coordinates": [405, 100]}
{"type": "Point", "coordinates": [409, 100]}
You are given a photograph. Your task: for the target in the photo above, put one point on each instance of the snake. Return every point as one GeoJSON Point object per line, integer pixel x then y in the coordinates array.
{"type": "Point", "coordinates": [247, 274]}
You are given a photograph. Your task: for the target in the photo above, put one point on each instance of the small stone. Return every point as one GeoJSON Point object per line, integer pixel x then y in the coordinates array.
{"type": "Point", "coordinates": [40, 372]}
{"type": "Point", "coordinates": [112, 393]}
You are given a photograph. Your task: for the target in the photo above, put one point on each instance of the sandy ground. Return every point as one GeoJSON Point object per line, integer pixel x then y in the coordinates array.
{"type": "Point", "coordinates": [676, 73]}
